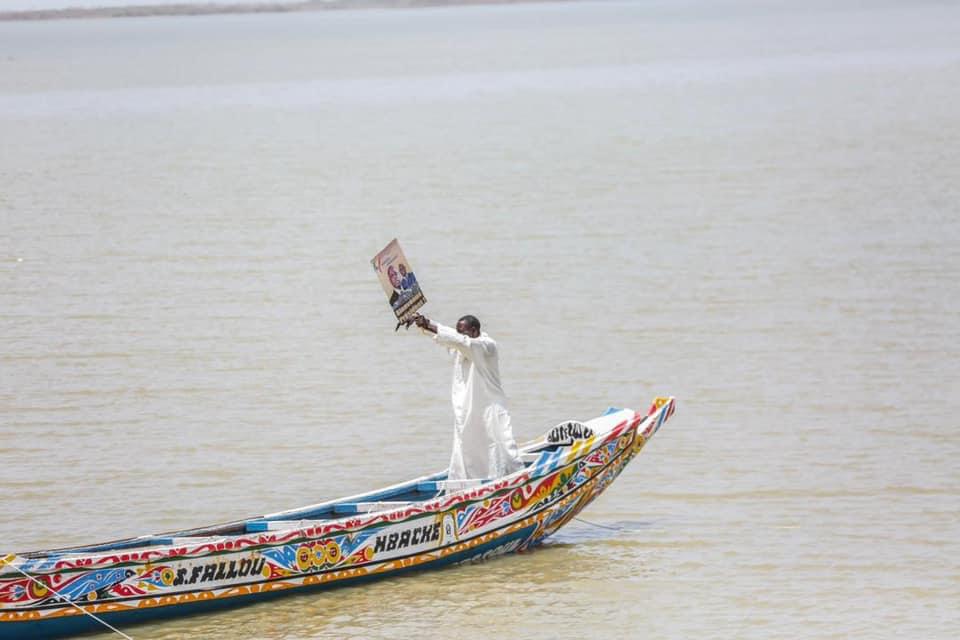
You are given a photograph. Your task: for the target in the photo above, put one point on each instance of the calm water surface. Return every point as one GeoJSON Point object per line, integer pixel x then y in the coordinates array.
{"type": "Point", "coordinates": [750, 205]}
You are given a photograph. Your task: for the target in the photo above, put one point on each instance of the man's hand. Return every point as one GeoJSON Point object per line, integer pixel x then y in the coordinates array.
{"type": "Point", "coordinates": [424, 323]}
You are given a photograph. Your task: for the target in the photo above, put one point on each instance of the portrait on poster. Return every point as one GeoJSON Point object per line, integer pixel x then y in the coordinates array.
{"type": "Point", "coordinates": [398, 281]}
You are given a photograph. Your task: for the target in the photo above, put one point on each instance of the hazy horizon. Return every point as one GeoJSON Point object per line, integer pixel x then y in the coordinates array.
{"type": "Point", "coordinates": [57, 5]}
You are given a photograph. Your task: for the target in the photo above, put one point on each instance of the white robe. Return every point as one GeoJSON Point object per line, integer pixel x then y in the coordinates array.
{"type": "Point", "coordinates": [483, 443]}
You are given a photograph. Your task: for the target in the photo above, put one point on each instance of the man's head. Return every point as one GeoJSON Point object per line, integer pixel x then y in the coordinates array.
{"type": "Point", "coordinates": [469, 326]}
{"type": "Point", "coordinates": [394, 277]}
{"type": "Point", "coordinates": [403, 270]}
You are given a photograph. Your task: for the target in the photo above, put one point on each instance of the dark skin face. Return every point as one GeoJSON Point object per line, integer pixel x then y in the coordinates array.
{"type": "Point", "coordinates": [465, 330]}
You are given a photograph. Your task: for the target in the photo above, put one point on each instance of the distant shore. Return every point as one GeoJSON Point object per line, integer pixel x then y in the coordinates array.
{"type": "Point", "coordinates": [214, 8]}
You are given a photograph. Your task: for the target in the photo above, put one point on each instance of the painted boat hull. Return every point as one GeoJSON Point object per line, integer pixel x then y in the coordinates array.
{"type": "Point", "coordinates": [384, 533]}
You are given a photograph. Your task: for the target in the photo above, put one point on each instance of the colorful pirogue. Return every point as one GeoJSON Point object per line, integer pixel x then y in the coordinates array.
{"type": "Point", "coordinates": [424, 523]}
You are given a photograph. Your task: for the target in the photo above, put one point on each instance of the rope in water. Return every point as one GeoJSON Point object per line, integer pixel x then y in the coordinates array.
{"type": "Point", "coordinates": [602, 526]}
{"type": "Point", "coordinates": [9, 561]}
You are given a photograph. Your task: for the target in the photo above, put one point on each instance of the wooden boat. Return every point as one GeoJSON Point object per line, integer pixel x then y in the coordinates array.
{"type": "Point", "coordinates": [424, 523]}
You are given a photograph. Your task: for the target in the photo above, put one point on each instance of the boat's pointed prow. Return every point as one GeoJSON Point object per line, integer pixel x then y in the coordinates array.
{"type": "Point", "coordinates": [661, 408]}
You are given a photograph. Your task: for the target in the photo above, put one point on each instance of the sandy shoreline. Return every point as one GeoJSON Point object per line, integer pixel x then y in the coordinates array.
{"type": "Point", "coordinates": [213, 8]}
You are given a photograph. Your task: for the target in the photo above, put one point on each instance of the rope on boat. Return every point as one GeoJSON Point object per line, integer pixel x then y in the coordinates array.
{"type": "Point", "coordinates": [9, 561]}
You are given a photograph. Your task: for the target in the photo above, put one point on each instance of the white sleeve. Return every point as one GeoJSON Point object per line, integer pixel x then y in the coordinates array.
{"type": "Point", "coordinates": [448, 337]}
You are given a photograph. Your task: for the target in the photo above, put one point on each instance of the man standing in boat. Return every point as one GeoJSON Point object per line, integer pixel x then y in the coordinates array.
{"type": "Point", "coordinates": [483, 443]}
